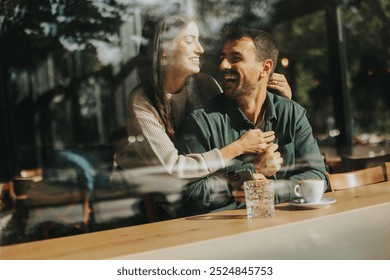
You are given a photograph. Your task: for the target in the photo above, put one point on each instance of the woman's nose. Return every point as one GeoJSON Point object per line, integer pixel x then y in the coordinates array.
{"type": "Point", "coordinates": [199, 49]}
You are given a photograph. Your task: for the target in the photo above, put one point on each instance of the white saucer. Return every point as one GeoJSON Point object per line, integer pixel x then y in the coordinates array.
{"type": "Point", "coordinates": [322, 203]}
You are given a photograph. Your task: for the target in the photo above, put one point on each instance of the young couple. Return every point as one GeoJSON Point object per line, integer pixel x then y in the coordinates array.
{"type": "Point", "coordinates": [247, 119]}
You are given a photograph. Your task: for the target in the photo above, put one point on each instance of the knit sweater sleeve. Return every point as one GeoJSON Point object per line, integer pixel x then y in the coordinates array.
{"type": "Point", "coordinates": [148, 138]}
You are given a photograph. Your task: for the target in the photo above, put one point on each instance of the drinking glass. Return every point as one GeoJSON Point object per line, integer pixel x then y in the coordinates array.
{"type": "Point", "coordinates": [259, 196]}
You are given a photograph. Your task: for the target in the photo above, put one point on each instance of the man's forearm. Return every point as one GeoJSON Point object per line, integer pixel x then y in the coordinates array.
{"type": "Point", "coordinates": [207, 194]}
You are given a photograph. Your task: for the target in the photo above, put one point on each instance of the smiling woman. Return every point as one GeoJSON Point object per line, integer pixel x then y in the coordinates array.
{"type": "Point", "coordinates": [181, 56]}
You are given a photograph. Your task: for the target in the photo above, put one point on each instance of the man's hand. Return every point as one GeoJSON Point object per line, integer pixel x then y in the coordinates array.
{"type": "Point", "coordinates": [268, 162]}
{"type": "Point", "coordinates": [239, 195]}
{"type": "Point", "coordinates": [279, 83]}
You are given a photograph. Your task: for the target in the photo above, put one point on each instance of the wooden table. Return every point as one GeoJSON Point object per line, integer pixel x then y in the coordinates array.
{"type": "Point", "coordinates": [357, 226]}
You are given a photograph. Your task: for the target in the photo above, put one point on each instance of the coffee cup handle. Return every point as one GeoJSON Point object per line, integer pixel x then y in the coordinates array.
{"type": "Point", "coordinates": [298, 191]}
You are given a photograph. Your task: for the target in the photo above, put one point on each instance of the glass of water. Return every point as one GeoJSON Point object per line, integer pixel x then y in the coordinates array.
{"type": "Point", "coordinates": [259, 196]}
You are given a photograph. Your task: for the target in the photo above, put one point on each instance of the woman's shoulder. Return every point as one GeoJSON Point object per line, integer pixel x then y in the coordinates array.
{"type": "Point", "coordinates": [139, 101]}
{"type": "Point", "coordinates": [138, 94]}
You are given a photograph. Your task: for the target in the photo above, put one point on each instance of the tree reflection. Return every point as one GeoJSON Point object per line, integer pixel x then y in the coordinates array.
{"type": "Point", "coordinates": [30, 29]}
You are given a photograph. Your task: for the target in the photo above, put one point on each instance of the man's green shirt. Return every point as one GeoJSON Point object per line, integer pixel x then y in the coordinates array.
{"type": "Point", "coordinates": [222, 122]}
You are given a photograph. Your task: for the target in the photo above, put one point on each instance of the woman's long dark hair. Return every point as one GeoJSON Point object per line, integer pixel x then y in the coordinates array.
{"type": "Point", "coordinates": [155, 33]}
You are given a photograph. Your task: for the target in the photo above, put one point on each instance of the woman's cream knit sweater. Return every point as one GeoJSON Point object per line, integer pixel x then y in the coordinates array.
{"type": "Point", "coordinates": [149, 145]}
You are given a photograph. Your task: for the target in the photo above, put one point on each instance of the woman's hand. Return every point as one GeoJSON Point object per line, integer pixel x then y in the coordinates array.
{"type": "Point", "coordinates": [254, 141]}
{"type": "Point", "coordinates": [279, 83]}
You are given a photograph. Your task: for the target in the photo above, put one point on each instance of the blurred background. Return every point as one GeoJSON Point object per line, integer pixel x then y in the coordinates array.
{"type": "Point", "coordinates": [67, 68]}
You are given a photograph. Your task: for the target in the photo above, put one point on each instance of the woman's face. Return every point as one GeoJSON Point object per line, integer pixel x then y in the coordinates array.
{"type": "Point", "coordinates": [182, 54]}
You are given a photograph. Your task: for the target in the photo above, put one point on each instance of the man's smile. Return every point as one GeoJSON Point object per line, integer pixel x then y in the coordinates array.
{"type": "Point", "coordinates": [230, 79]}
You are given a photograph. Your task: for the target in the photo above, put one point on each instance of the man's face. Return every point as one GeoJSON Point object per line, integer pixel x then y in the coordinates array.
{"type": "Point", "coordinates": [240, 68]}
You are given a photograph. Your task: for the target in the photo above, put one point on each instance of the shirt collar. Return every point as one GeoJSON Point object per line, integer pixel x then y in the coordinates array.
{"type": "Point", "coordinates": [270, 101]}
{"type": "Point", "coordinates": [239, 117]}
{"type": "Point", "coordinates": [236, 115]}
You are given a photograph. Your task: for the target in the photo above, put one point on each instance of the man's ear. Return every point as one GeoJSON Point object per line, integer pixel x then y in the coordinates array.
{"type": "Point", "coordinates": [267, 68]}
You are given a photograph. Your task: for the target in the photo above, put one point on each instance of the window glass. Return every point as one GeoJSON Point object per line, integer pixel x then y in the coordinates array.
{"type": "Point", "coordinates": [367, 35]}
{"type": "Point", "coordinates": [66, 72]}
{"type": "Point", "coordinates": [304, 60]}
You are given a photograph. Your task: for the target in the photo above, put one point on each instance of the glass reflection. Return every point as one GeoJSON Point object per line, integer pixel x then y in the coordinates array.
{"type": "Point", "coordinates": [67, 68]}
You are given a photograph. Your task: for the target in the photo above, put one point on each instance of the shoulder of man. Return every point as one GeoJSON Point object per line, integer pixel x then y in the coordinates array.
{"type": "Point", "coordinates": [208, 84]}
{"type": "Point", "coordinates": [200, 89]}
{"type": "Point", "coordinates": [281, 103]}
{"type": "Point", "coordinates": [214, 106]}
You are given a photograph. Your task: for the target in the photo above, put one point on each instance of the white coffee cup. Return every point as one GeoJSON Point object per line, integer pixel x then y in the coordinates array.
{"type": "Point", "coordinates": [310, 190]}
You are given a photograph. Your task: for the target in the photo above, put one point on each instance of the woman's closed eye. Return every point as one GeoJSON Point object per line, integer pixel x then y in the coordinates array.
{"type": "Point", "coordinates": [189, 39]}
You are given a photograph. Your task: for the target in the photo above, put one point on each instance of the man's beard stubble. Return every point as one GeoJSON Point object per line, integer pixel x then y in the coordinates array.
{"type": "Point", "coordinates": [246, 89]}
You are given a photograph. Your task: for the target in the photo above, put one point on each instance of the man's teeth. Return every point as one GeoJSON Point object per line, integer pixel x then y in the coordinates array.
{"type": "Point", "coordinates": [230, 78]}
{"type": "Point", "coordinates": [194, 59]}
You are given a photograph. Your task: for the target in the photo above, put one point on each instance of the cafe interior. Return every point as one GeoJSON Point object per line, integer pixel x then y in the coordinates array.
{"type": "Point", "coordinates": [66, 71]}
